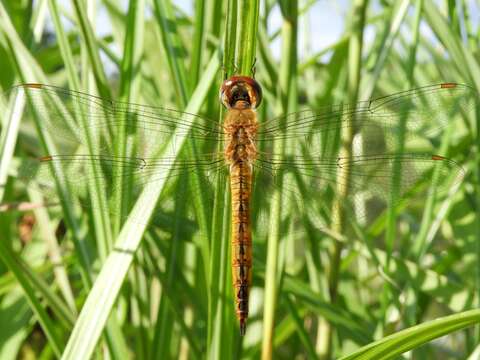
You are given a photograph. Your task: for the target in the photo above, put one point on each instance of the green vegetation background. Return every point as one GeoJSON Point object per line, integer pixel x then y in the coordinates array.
{"type": "Point", "coordinates": [59, 281]}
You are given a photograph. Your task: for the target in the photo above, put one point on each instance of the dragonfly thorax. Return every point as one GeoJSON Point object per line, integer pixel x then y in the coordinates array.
{"type": "Point", "coordinates": [240, 129]}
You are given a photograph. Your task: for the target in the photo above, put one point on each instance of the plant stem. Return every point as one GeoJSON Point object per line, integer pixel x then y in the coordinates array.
{"type": "Point", "coordinates": [287, 75]}
{"type": "Point", "coordinates": [354, 67]}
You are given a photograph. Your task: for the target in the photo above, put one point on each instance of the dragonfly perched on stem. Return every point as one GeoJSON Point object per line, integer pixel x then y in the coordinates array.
{"type": "Point", "coordinates": [87, 129]}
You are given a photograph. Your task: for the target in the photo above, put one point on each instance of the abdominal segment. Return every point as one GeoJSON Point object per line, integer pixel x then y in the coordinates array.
{"type": "Point", "coordinates": [241, 184]}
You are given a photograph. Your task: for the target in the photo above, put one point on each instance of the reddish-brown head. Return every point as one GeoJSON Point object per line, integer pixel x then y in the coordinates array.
{"type": "Point", "coordinates": [241, 88]}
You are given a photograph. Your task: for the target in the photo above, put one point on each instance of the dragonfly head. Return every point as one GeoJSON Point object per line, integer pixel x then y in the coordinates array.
{"type": "Point", "coordinates": [241, 91]}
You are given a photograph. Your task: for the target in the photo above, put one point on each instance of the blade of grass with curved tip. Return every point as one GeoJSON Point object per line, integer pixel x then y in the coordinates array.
{"type": "Point", "coordinates": [405, 340]}
{"type": "Point", "coordinates": [100, 301]}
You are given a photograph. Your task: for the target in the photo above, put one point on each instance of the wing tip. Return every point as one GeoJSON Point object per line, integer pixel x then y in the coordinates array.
{"type": "Point", "coordinates": [45, 158]}
{"type": "Point", "coordinates": [453, 166]}
{"type": "Point", "coordinates": [448, 85]}
{"type": "Point", "coordinates": [33, 85]}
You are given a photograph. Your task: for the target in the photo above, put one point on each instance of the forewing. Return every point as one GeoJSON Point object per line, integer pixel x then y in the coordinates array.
{"type": "Point", "coordinates": [420, 114]}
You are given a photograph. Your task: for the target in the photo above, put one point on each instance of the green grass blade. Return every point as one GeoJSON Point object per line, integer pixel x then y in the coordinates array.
{"type": "Point", "coordinates": [8, 139]}
{"type": "Point", "coordinates": [92, 48]}
{"type": "Point", "coordinates": [405, 340]}
{"type": "Point", "coordinates": [273, 267]}
{"type": "Point", "coordinates": [48, 326]}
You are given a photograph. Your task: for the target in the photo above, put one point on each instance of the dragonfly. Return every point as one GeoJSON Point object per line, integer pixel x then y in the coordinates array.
{"type": "Point", "coordinates": [120, 145]}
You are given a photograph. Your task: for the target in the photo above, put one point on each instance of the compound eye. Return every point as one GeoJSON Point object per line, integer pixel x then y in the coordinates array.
{"type": "Point", "coordinates": [255, 92]}
{"type": "Point", "coordinates": [240, 88]}
{"type": "Point", "coordinates": [224, 97]}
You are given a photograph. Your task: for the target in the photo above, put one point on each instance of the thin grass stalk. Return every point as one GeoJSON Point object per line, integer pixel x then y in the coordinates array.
{"type": "Point", "coordinates": [218, 237]}
{"type": "Point", "coordinates": [216, 277]}
{"type": "Point", "coordinates": [219, 349]}
{"type": "Point", "coordinates": [129, 86]}
{"type": "Point", "coordinates": [8, 139]}
{"type": "Point", "coordinates": [216, 281]}
{"type": "Point", "coordinates": [163, 334]}
{"type": "Point", "coordinates": [92, 49]}
{"type": "Point", "coordinates": [287, 75]}
{"type": "Point", "coordinates": [215, 13]}
{"type": "Point", "coordinates": [37, 22]}
{"type": "Point", "coordinates": [219, 252]}
{"type": "Point", "coordinates": [354, 68]}
{"type": "Point", "coordinates": [214, 24]}
{"type": "Point", "coordinates": [477, 217]}
{"type": "Point", "coordinates": [47, 231]}
{"type": "Point", "coordinates": [400, 144]}
{"type": "Point", "coordinates": [198, 42]}
{"type": "Point", "coordinates": [400, 141]}
{"type": "Point", "coordinates": [398, 13]}
{"type": "Point", "coordinates": [172, 44]}
{"type": "Point", "coordinates": [400, 148]}
{"type": "Point", "coordinates": [130, 57]}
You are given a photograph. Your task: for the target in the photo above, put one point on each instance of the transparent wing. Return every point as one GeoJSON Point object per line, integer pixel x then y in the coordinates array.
{"type": "Point", "coordinates": [76, 116]}
{"type": "Point", "coordinates": [87, 132]}
{"type": "Point", "coordinates": [114, 144]}
{"type": "Point", "coordinates": [377, 173]}
{"type": "Point", "coordinates": [424, 112]}
{"type": "Point", "coordinates": [371, 183]}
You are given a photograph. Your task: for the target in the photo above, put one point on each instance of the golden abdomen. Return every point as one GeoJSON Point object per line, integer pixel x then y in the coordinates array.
{"type": "Point", "coordinates": [241, 186]}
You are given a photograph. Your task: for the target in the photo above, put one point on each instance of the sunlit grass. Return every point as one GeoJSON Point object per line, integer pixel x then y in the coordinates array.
{"type": "Point", "coordinates": [95, 282]}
